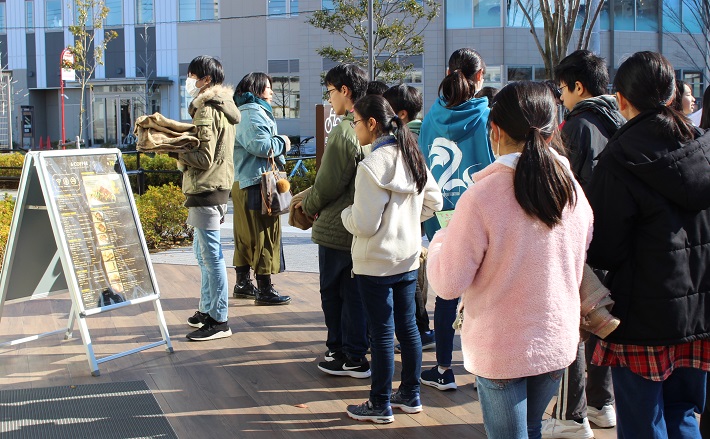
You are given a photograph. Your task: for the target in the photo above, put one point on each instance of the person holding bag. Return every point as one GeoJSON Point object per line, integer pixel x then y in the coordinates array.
{"type": "Point", "coordinates": [257, 149]}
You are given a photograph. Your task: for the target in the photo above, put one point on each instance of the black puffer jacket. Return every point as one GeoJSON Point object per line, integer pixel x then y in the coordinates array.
{"type": "Point", "coordinates": [587, 130]}
{"type": "Point", "coordinates": [651, 202]}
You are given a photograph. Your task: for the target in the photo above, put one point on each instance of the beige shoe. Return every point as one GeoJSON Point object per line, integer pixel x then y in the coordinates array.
{"type": "Point", "coordinates": [604, 417]}
{"type": "Point", "coordinates": [560, 429]}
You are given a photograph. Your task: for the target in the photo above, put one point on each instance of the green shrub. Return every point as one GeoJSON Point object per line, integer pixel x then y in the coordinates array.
{"type": "Point", "coordinates": [160, 162]}
{"type": "Point", "coordinates": [300, 182]}
{"type": "Point", "coordinates": [7, 204]}
{"type": "Point", "coordinates": [14, 159]}
{"type": "Point", "coordinates": [163, 216]}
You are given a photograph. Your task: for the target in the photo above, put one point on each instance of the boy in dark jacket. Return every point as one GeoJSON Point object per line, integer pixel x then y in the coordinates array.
{"type": "Point", "coordinates": [592, 119]}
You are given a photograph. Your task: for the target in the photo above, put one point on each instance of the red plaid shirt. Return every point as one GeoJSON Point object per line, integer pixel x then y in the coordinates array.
{"type": "Point", "coordinates": [655, 363]}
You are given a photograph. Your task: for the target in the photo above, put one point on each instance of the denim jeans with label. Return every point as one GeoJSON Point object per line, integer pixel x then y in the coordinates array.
{"type": "Point", "coordinates": [658, 409]}
{"type": "Point", "coordinates": [389, 305]}
{"type": "Point", "coordinates": [341, 303]}
{"type": "Point", "coordinates": [213, 287]}
{"type": "Point", "coordinates": [513, 408]}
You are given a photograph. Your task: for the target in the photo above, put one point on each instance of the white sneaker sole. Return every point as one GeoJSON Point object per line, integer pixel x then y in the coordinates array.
{"type": "Point", "coordinates": [196, 325]}
{"type": "Point", "coordinates": [375, 419]}
{"type": "Point", "coordinates": [220, 334]}
{"type": "Point", "coordinates": [602, 422]}
{"type": "Point", "coordinates": [406, 408]}
{"type": "Point", "coordinates": [450, 386]}
{"type": "Point", "coordinates": [348, 373]}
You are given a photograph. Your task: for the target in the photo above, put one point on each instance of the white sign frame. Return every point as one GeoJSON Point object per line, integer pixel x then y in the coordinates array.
{"type": "Point", "coordinates": [34, 212]}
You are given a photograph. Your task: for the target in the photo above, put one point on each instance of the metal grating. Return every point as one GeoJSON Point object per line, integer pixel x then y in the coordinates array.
{"type": "Point", "coordinates": [106, 411]}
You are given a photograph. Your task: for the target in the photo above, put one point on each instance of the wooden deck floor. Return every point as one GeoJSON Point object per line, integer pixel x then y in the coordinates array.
{"type": "Point", "coordinates": [261, 382]}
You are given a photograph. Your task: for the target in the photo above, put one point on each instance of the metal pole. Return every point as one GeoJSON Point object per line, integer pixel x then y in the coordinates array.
{"type": "Point", "coordinates": [370, 42]}
{"type": "Point", "coordinates": [61, 98]}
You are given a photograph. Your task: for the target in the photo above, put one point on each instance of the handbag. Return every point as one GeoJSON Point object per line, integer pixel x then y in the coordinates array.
{"type": "Point", "coordinates": [275, 190]}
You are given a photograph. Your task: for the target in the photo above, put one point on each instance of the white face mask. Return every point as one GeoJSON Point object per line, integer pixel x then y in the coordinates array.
{"type": "Point", "coordinates": [191, 87]}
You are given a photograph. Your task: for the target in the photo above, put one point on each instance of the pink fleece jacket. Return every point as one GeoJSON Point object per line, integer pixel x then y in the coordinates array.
{"type": "Point", "coordinates": [519, 279]}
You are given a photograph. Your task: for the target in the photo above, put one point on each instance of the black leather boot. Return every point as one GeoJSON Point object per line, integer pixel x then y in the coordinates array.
{"type": "Point", "coordinates": [244, 289]}
{"type": "Point", "coordinates": [267, 295]}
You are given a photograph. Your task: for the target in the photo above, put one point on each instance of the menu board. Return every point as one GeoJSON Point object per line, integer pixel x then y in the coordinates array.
{"type": "Point", "coordinates": [97, 223]}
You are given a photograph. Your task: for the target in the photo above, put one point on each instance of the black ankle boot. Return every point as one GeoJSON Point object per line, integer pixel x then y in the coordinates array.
{"type": "Point", "coordinates": [267, 295]}
{"type": "Point", "coordinates": [244, 289]}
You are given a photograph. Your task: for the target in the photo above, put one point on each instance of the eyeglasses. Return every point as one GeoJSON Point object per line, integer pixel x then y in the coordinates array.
{"type": "Point", "coordinates": [330, 91]}
{"type": "Point", "coordinates": [354, 122]}
{"type": "Point", "coordinates": [559, 90]}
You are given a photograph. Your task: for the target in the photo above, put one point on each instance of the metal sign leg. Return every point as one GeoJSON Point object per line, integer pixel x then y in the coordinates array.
{"type": "Point", "coordinates": [70, 325]}
{"type": "Point", "coordinates": [86, 339]}
{"type": "Point", "coordinates": [162, 325]}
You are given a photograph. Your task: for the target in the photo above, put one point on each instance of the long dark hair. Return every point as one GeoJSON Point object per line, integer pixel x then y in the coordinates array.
{"type": "Point", "coordinates": [705, 115]}
{"type": "Point", "coordinates": [526, 111]}
{"type": "Point", "coordinates": [460, 84]}
{"type": "Point", "coordinates": [647, 81]}
{"type": "Point", "coordinates": [377, 107]}
{"type": "Point", "coordinates": [677, 103]}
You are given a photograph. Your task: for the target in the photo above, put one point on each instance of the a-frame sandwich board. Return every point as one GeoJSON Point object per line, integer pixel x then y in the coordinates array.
{"type": "Point", "coordinates": [75, 228]}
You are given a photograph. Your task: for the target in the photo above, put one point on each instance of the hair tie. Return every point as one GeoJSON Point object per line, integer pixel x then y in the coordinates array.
{"type": "Point", "coordinates": [395, 117]}
{"type": "Point", "coordinates": [533, 130]}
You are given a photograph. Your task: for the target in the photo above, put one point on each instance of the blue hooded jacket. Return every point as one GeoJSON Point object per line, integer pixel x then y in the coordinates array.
{"type": "Point", "coordinates": [455, 144]}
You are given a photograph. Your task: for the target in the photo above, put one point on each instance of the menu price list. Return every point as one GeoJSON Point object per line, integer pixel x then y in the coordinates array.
{"type": "Point", "coordinates": [99, 229]}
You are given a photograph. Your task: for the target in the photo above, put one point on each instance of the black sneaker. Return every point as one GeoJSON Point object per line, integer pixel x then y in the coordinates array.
{"type": "Point", "coordinates": [212, 330]}
{"type": "Point", "coordinates": [333, 355]}
{"type": "Point", "coordinates": [433, 378]}
{"type": "Point", "coordinates": [343, 366]}
{"type": "Point", "coordinates": [367, 412]}
{"type": "Point", "coordinates": [411, 404]}
{"type": "Point", "coordinates": [198, 319]}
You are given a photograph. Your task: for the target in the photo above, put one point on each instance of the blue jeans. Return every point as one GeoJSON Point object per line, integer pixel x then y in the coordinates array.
{"type": "Point", "coordinates": [658, 409]}
{"type": "Point", "coordinates": [513, 409]}
{"type": "Point", "coordinates": [444, 316]}
{"type": "Point", "coordinates": [341, 303]}
{"type": "Point", "coordinates": [213, 288]}
{"type": "Point", "coordinates": [389, 305]}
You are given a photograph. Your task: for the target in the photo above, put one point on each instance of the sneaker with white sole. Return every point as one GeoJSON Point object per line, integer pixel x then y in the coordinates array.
{"type": "Point", "coordinates": [332, 355]}
{"type": "Point", "coordinates": [562, 429]}
{"type": "Point", "coordinates": [212, 330]}
{"type": "Point", "coordinates": [367, 412]}
{"type": "Point", "coordinates": [197, 320]}
{"type": "Point", "coordinates": [408, 404]}
{"type": "Point", "coordinates": [441, 381]}
{"type": "Point", "coordinates": [604, 417]}
{"type": "Point", "coordinates": [344, 366]}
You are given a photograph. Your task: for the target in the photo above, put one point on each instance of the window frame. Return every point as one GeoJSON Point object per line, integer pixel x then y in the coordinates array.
{"type": "Point", "coordinates": [288, 8]}
{"type": "Point", "coordinates": [46, 15]}
{"type": "Point", "coordinates": [139, 18]}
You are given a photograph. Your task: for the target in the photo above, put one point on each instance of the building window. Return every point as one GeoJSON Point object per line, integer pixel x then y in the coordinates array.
{"type": "Point", "coordinates": [282, 8]}
{"type": "Point", "coordinates": [195, 10]}
{"type": "Point", "coordinates": [526, 73]}
{"type": "Point", "coordinates": [639, 15]}
{"type": "Point", "coordinates": [185, 100]}
{"type": "Point", "coordinates": [144, 11]}
{"type": "Point", "coordinates": [3, 23]}
{"type": "Point", "coordinates": [115, 12]}
{"type": "Point", "coordinates": [694, 80]}
{"type": "Point", "coordinates": [30, 16]}
{"type": "Point", "coordinates": [682, 16]}
{"type": "Point", "coordinates": [603, 18]}
{"type": "Point", "coordinates": [286, 86]}
{"type": "Point", "coordinates": [209, 9]}
{"type": "Point", "coordinates": [53, 13]}
{"type": "Point", "coordinates": [516, 16]}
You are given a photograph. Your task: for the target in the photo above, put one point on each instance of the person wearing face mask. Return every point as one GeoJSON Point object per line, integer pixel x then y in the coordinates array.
{"type": "Point", "coordinates": [454, 141]}
{"type": "Point", "coordinates": [206, 181]}
{"type": "Point", "coordinates": [514, 250]}
{"type": "Point", "coordinates": [257, 237]}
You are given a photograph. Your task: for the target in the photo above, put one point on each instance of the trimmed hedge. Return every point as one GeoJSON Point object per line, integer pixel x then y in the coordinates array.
{"type": "Point", "coordinates": [163, 216]}
{"type": "Point", "coordinates": [7, 205]}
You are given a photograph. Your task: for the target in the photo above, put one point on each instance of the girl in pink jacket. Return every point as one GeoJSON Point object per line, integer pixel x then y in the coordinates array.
{"type": "Point", "coordinates": [515, 250]}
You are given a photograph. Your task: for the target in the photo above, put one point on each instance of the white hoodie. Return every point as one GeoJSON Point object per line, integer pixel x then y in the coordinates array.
{"type": "Point", "coordinates": [386, 215]}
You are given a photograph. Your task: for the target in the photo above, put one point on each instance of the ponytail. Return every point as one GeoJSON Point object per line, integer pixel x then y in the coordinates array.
{"type": "Point", "coordinates": [377, 107]}
{"type": "Point", "coordinates": [670, 121]}
{"type": "Point", "coordinates": [460, 84]}
{"type": "Point", "coordinates": [412, 155]}
{"type": "Point", "coordinates": [543, 187]}
{"type": "Point", "coordinates": [456, 89]}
